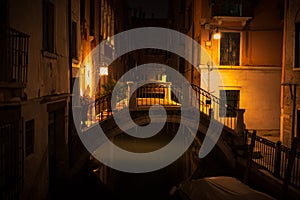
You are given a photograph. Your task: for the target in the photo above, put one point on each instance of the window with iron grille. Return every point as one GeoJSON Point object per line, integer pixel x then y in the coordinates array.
{"type": "Point", "coordinates": [48, 26]}
{"type": "Point", "coordinates": [297, 45]}
{"type": "Point", "coordinates": [29, 137]}
{"type": "Point", "coordinates": [230, 100]}
{"type": "Point", "coordinates": [230, 49]}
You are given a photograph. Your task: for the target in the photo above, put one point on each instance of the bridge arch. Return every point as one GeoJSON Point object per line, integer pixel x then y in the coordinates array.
{"type": "Point", "coordinates": [141, 118]}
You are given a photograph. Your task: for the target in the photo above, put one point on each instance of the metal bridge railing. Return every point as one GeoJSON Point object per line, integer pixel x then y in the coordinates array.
{"type": "Point", "coordinates": [163, 94]}
{"type": "Point", "coordinates": [274, 158]}
{"type": "Point", "coordinates": [95, 111]}
{"type": "Point", "coordinates": [215, 107]}
{"type": "Point", "coordinates": [151, 94]}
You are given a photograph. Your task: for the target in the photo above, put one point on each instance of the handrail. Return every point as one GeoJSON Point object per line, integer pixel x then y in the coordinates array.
{"type": "Point", "coordinates": [215, 107]}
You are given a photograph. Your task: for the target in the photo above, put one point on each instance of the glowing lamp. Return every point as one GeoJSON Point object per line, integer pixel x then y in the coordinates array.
{"type": "Point", "coordinates": [217, 35]}
{"type": "Point", "coordinates": [103, 71]}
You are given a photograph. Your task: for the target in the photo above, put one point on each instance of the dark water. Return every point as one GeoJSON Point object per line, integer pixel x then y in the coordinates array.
{"type": "Point", "coordinates": [146, 186]}
{"type": "Point", "coordinates": [86, 185]}
{"type": "Point", "coordinates": [154, 185]}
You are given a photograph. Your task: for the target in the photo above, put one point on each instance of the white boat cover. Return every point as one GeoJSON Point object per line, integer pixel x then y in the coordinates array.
{"type": "Point", "coordinates": [222, 187]}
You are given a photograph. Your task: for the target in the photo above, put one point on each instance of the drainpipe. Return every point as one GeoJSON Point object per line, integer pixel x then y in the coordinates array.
{"type": "Point", "coordinates": [293, 111]}
{"type": "Point", "coordinates": [193, 35]}
{"type": "Point", "coordinates": [70, 122]}
{"type": "Point", "coordinates": [283, 71]}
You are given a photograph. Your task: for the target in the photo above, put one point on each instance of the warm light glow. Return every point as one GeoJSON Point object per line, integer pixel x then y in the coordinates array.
{"type": "Point", "coordinates": [88, 74]}
{"type": "Point", "coordinates": [164, 78]}
{"type": "Point", "coordinates": [208, 43]}
{"type": "Point", "coordinates": [217, 35]}
{"type": "Point", "coordinates": [103, 71]}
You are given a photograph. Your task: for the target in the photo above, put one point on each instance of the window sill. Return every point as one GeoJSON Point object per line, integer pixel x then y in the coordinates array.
{"type": "Point", "coordinates": [48, 54]}
{"type": "Point", "coordinates": [75, 61]}
{"type": "Point", "coordinates": [12, 85]}
{"type": "Point", "coordinates": [297, 69]}
{"type": "Point", "coordinates": [247, 67]}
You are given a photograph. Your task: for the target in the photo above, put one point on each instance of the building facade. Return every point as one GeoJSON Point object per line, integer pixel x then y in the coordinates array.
{"type": "Point", "coordinates": [34, 97]}
{"type": "Point", "coordinates": [246, 56]}
{"type": "Point", "coordinates": [290, 94]}
{"type": "Point", "coordinates": [98, 21]}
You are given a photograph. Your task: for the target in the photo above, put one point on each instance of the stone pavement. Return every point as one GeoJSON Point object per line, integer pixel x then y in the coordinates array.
{"type": "Point", "coordinates": [273, 136]}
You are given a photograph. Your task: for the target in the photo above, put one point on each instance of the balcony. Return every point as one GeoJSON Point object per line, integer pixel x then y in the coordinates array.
{"type": "Point", "coordinates": [240, 11]}
{"type": "Point", "coordinates": [13, 58]}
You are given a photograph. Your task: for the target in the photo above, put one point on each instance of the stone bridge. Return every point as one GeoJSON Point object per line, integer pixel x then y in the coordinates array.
{"type": "Point", "coordinates": [209, 106]}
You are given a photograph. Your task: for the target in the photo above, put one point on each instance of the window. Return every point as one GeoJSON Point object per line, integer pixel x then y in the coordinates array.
{"type": "Point", "coordinates": [297, 45]}
{"type": "Point", "coordinates": [230, 49]}
{"type": "Point", "coordinates": [230, 98]}
{"type": "Point", "coordinates": [48, 26]}
{"type": "Point", "coordinates": [92, 18]}
{"type": "Point", "coordinates": [74, 40]}
{"type": "Point", "coordinates": [82, 12]}
{"type": "Point", "coordinates": [226, 8]}
{"type": "Point", "coordinates": [239, 8]}
{"type": "Point", "coordinates": [29, 137]}
{"type": "Point", "coordinates": [182, 5]}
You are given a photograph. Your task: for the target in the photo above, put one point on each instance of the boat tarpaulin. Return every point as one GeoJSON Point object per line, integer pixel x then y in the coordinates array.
{"type": "Point", "coordinates": [222, 187]}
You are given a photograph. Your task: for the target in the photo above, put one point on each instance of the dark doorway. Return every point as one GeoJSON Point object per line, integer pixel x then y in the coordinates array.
{"type": "Point", "coordinates": [57, 145]}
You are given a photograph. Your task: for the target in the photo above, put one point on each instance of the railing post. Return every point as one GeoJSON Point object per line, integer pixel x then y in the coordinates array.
{"type": "Point", "coordinates": [277, 159]}
{"type": "Point", "coordinates": [211, 113]}
{"type": "Point", "coordinates": [288, 171]}
{"type": "Point", "coordinates": [246, 133]}
{"type": "Point", "coordinates": [240, 126]}
{"type": "Point", "coordinates": [239, 129]}
{"type": "Point", "coordinates": [131, 99]}
{"type": "Point", "coordinates": [249, 157]}
{"type": "Point", "coordinates": [186, 96]}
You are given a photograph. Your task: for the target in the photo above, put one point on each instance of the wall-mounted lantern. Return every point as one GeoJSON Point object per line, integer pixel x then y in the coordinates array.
{"type": "Point", "coordinates": [103, 71]}
{"type": "Point", "coordinates": [217, 35]}
{"type": "Point", "coordinates": [213, 34]}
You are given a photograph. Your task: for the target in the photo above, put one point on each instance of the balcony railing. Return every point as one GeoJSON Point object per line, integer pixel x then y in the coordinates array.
{"type": "Point", "coordinates": [14, 57]}
{"type": "Point", "coordinates": [232, 8]}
